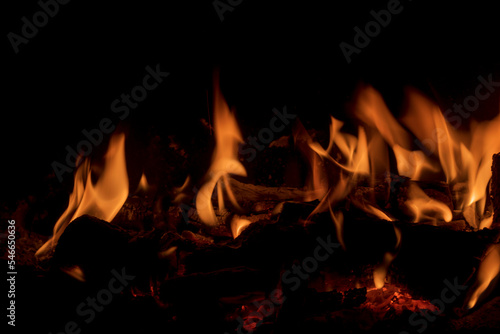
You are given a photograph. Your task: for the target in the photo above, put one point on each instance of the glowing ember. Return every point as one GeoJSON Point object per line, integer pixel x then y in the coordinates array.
{"type": "Point", "coordinates": [381, 300]}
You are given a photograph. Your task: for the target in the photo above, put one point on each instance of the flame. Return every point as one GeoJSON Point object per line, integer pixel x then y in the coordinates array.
{"type": "Point", "coordinates": [487, 276]}
{"type": "Point", "coordinates": [317, 182]}
{"type": "Point", "coordinates": [102, 199]}
{"type": "Point", "coordinates": [338, 220]}
{"type": "Point", "coordinates": [333, 183]}
{"type": "Point", "coordinates": [424, 208]}
{"type": "Point", "coordinates": [380, 272]}
{"type": "Point", "coordinates": [353, 150]}
{"type": "Point", "coordinates": [412, 164]}
{"type": "Point", "coordinates": [332, 180]}
{"type": "Point", "coordinates": [224, 161]}
{"type": "Point", "coordinates": [472, 151]}
{"type": "Point", "coordinates": [75, 271]}
{"type": "Point", "coordinates": [143, 184]}
{"type": "Point", "coordinates": [238, 225]}
{"type": "Point", "coordinates": [371, 109]}
{"type": "Point", "coordinates": [443, 150]}
{"type": "Point", "coordinates": [424, 118]}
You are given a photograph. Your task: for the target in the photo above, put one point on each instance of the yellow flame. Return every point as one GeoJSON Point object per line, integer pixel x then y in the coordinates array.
{"type": "Point", "coordinates": [224, 162]}
{"type": "Point", "coordinates": [102, 199]}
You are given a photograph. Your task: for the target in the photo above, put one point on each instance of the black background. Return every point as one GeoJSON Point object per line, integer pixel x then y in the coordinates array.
{"type": "Point", "coordinates": [271, 53]}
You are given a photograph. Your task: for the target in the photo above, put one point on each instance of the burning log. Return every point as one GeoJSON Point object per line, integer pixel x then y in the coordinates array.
{"type": "Point", "coordinates": [94, 247]}
{"type": "Point", "coordinates": [249, 194]}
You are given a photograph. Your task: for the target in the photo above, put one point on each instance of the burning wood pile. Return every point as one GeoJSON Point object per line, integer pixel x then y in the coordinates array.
{"type": "Point", "coordinates": [395, 228]}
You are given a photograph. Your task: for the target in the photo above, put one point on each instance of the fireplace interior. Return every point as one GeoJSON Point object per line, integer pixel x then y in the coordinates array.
{"type": "Point", "coordinates": [234, 167]}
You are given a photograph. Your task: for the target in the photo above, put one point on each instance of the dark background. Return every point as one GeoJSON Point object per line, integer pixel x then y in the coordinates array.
{"type": "Point", "coordinates": [271, 54]}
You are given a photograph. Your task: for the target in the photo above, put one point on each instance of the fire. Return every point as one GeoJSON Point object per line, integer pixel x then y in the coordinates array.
{"type": "Point", "coordinates": [238, 225]}
{"type": "Point", "coordinates": [224, 161]}
{"type": "Point", "coordinates": [412, 164]}
{"type": "Point", "coordinates": [332, 179]}
{"type": "Point", "coordinates": [471, 151]}
{"type": "Point", "coordinates": [380, 272]}
{"type": "Point", "coordinates": [102, 199]}
{"type": "Point", "coordinates": [424, 208]}
{"type": "Point", "coordinates": [442, 150]}
{"type": "Point", "coordinates": [317, 182]}
{"type": "Point", "coordinates": [426, 121]}
{"type": "Point", "coordinates": [143, 184]}
{"type": "Point", "coordinates": [371, 109]}
{"type": "Point", "coordinates": [487, 276]}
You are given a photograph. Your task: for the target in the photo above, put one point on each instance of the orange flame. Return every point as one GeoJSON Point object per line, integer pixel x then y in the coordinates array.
{"type": "Point", "coordinates": [472, 151]}
{"type": "Point", "coordinates": [487, 276]}
{"type": "Point", "coordinates": [371, 109]}
{"type": "Point", "coordinates": [338, 220]}
{"type": "Point", "coordinates": [225, 160]}
{"type": "Point", "coordinates": [238, 225]}
{"type": "Point", "coordinates": [143, 184]}
{"type": "Point", "coordinates": [443, 150]}
{"type": "Point", "coordinates": [102, 199]}
{"type": "Point", "coordinates": [331, 184]}
{"type": "Point", "coordinates": [424, 118]}
{"type": "Point", "coordinates": [424, 208]}
{"type": "Point", "coordinates": [380, 272]}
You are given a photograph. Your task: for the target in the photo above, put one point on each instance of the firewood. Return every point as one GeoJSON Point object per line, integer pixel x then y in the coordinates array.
{"type": "Point", "coordinates": [98, 247]}
{"type": "Point", "coordinates": [249, 194]}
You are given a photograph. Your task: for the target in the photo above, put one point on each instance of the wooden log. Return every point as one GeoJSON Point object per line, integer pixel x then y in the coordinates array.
{"type": "Point", "coordinates": [98, 247]}
{"type": "Point", "coordinates": [428, 254]}
{"type": "Point", "coordinates": [248, 194]}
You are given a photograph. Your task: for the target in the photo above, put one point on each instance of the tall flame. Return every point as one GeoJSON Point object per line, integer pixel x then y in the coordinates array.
{"type": "Point", "coordinates": [224, 160]}
{"type": "Point", "coordinates": [102, 199]}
